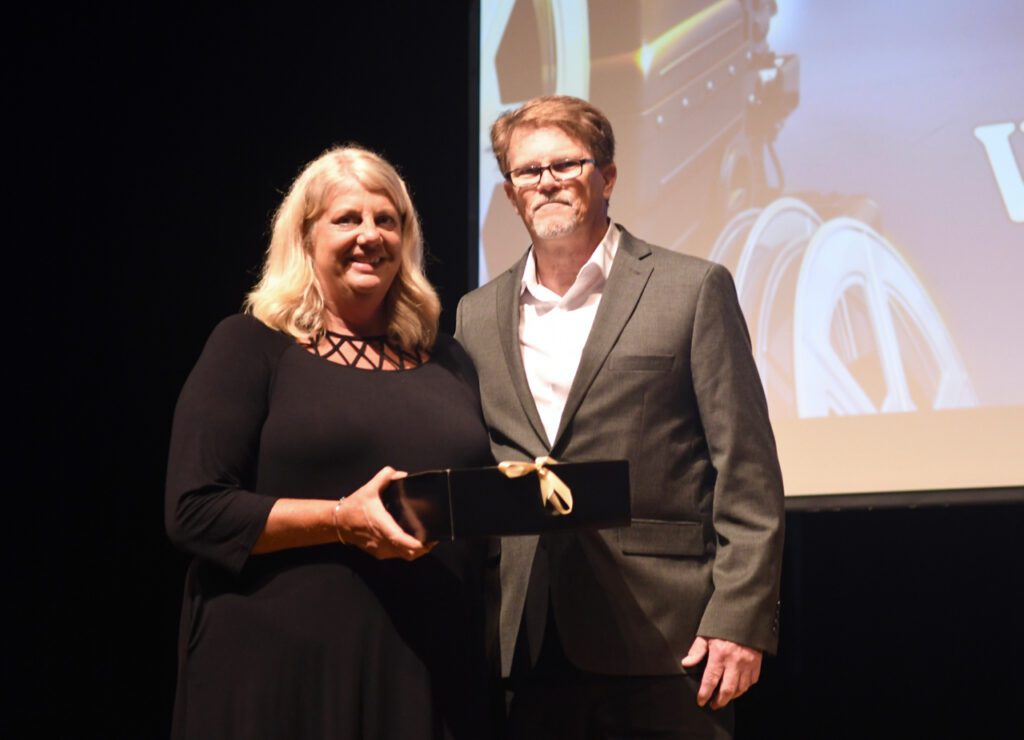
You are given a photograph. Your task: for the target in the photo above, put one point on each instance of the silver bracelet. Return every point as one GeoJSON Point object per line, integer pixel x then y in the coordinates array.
{"type": "Point", "coordinates": [334, 518]}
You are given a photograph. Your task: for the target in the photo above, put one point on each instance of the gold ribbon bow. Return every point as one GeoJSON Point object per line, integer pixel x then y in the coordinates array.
{"type": "Point", "coordinates": [552, 488]}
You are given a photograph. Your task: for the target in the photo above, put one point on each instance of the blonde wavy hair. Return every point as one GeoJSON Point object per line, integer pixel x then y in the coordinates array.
{"type": "Point", "coordinates": [288, 296]}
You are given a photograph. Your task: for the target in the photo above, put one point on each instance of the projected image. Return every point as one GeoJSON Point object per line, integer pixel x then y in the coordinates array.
{"type": "Point", "coordinates": [789, 142]}
{"type": "Point", "coordinates": [858, 168]}
{"type": "Point", "coordinates": [839, 322]}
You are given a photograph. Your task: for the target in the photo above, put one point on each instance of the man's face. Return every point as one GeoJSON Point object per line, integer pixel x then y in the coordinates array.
{"type": "Point", "coordinates": [555, 209]}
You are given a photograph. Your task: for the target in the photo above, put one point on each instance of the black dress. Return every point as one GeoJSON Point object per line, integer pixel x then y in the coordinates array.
{"type": "Point", "coordinates": [326, 641]}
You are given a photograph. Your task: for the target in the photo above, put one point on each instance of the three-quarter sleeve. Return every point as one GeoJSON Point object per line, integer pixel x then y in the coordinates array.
{"type": "Point", "coordinates": [211, 507]}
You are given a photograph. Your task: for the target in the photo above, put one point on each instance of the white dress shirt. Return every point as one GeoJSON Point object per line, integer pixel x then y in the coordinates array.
{"type": "Point", "coordinates": [554, 328]}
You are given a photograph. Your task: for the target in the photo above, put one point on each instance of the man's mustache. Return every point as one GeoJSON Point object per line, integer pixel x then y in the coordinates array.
{"type": "Point", "coordinates": [549, 201]}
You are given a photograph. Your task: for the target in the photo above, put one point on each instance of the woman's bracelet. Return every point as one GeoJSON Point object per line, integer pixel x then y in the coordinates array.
{"type": "Point", "coordinates": [334, 518]}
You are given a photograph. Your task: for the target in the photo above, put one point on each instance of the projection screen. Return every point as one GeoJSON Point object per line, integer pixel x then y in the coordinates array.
{"type": "Point", "coordinates": [858, 168]}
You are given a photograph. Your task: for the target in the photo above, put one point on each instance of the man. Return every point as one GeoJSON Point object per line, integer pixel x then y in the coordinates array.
{"type": "Point", "coordinates": [596, 345]}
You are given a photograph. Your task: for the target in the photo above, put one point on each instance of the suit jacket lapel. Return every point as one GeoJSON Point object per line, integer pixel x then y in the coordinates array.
{"type": "Point", "coordinates": [626, 281]}
{"type": "Point", "coordinates": [507, 293]}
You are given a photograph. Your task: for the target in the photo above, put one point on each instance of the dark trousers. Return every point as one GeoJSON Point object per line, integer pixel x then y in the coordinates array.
{"type": "Point", "coordinates": [555, 699]}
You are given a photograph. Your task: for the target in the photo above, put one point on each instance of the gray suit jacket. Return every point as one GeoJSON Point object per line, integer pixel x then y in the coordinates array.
{"type": "Point", "coordinates": [667, 381]}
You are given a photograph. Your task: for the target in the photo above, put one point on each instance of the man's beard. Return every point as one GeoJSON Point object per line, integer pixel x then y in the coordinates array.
{"type": "Point", "coordinates": [555, 228]}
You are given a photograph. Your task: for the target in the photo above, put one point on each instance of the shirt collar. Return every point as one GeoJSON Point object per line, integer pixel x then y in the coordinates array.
{"type": "Point", "coordinates": [590, 278]}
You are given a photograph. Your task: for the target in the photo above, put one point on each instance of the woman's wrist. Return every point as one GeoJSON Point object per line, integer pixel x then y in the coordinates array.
{"type": "Point", "coordinates": [334, 519]}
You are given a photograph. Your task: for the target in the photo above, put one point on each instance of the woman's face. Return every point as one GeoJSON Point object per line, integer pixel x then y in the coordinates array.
{"type": "Point", "coordinates": [357, 250]}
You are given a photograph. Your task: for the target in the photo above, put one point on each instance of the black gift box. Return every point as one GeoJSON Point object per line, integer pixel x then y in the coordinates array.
{"type": "Point", "coordinates": [476, 502]}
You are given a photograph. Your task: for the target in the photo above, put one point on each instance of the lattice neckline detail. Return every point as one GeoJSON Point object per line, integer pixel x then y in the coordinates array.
{"type": "Point", "coordinates": [364, 353]}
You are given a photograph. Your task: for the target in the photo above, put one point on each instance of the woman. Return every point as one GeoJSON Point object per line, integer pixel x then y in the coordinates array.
{"type": "Point", "coordinates": [308, 611]}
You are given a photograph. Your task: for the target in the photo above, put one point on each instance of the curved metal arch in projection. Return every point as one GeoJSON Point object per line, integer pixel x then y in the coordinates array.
{"type": "Point", "coordinates": [840, 324]}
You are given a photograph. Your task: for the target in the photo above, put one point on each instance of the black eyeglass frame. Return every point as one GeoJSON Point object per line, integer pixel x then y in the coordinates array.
{"type": "Point", "coordinates": [539, 170]}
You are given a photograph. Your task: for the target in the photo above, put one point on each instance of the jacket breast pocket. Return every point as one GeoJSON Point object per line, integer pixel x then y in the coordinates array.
{"type": "Point", "coordinates": [657, 537]}
{"type": "Point", "coordinates": [640, 363]}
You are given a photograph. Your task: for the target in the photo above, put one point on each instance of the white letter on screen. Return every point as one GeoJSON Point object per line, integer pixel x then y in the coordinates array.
{"type": "Point", "coordinates": [996, 140]}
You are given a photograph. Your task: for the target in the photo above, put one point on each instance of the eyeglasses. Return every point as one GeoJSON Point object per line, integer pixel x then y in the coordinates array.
{"type": "Point", "coordinates": [566, 169]}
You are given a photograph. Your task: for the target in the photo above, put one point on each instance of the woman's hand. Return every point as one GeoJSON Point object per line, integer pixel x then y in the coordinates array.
{"type": "Point", "coordinates": [363, 522]}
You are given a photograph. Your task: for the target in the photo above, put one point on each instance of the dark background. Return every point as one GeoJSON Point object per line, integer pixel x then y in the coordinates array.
{"type": "Point", "coordinates": [146, 151]}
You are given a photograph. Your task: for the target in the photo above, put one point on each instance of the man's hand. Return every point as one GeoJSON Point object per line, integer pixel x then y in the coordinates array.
{"type": "Point", "coordinates": [732, 669]}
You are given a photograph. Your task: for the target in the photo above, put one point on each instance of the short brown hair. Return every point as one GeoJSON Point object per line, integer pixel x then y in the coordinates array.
{"type": "Point", "coordinates": [577, 118]}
